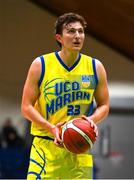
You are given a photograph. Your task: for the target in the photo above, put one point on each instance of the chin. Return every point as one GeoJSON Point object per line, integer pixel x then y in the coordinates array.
{"type": "Point", "coordinates": [77, 48]}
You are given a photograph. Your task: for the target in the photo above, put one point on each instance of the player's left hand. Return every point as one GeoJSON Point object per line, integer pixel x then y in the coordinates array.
{"type": "Point", "coordinates": [93, 125]}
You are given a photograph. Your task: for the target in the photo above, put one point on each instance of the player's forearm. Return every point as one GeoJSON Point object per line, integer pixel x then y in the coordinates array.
{"type": "Point", "coordinates": [30, 113]}
{"type": "Point", "coordinates": [100, 113]}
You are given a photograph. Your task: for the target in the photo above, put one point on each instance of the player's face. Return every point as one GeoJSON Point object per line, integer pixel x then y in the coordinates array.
{"type": "Point", "coordinates": [73, 36]}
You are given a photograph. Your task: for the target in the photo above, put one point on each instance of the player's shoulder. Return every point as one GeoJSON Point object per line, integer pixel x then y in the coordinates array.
{"type": "Point", "coordinates": [91, 58]}
{"type": "Point", "coordinates": [38, 60]}
{"type": "Point", "coordinates": [100, 69]}
{"type": "Point", "coordinates": [84, 56]}
{"type": "Point", "coordinates": [35, 66]}
{"type": "Point", "coordinates": [48, 56]}
{"type": "Point", "coordinates": [97, 62]}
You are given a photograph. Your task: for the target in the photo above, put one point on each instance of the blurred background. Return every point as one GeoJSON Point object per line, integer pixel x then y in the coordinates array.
{"type": "Point", "coordinates": [27, 31]}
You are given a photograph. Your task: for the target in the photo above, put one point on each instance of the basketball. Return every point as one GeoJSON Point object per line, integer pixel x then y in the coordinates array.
{"type": "Point", "coordinates": [78, 136]}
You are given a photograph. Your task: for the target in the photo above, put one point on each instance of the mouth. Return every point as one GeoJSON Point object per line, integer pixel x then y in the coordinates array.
{"type": "Point", "coordinates": [76, 43]}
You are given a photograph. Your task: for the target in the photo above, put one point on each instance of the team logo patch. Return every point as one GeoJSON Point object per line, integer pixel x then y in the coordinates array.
{"type": "Point", "coordinates": [85, 81]}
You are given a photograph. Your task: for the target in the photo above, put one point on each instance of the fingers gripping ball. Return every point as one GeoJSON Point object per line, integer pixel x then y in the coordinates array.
{"type": "Point", "coordinates": [78, 135]}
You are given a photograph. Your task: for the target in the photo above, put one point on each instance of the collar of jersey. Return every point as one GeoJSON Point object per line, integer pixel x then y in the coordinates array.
{"type": "Point", "coordinates": [64, 65]}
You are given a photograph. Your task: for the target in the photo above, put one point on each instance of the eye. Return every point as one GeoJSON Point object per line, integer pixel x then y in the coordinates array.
{"type": "Point", "coordinates": [81, 31]}
{"type": "Point", "coordinates": [71, 31]}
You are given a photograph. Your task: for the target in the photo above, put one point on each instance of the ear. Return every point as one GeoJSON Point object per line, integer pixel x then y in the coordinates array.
{"type": "Point", "coordinates": [58, 38]}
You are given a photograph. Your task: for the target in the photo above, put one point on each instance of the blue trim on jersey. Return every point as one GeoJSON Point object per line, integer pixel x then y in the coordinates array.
{"type": "Point", "coordinates": [32, 160]}
{"type": "Point", "coordinates": [90, 112]}
{"type": "Point", "coordinates": [42, 70]}
{"type": "Point", "coordinates": [36, 174]}
{"type": "Point", "coordinates": [38, 164]}
{"type": "Point", "coordinates": [38, 152]}
{"type": "Point", "coordinates": [64, 65]}
{"type": "Point", "coordinates": [95, 72]}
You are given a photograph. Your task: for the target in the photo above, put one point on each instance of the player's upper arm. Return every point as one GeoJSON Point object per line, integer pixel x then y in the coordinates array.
{"type": "Point", "coordinates": [31, 91]}
{"type": "Point", "coordinates": [101, 93]}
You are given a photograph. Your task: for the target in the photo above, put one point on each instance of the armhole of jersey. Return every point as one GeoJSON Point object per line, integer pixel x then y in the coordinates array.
{"type": "Point", "coordinates": [95, 72]}
{"type": "Point", "coordinates": [42, 70]}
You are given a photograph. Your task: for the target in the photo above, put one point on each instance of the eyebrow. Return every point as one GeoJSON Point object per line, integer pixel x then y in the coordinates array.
{"type": "Point", "coordinates": [68, 28]}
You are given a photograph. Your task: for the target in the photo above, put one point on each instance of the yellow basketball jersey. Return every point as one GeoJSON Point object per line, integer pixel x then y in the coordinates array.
{"type": "Point", "coordinates": [65, 92]}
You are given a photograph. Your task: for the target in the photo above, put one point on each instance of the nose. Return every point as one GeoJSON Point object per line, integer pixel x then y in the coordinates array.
{"type": "Point", "coordinates": [77, 34]}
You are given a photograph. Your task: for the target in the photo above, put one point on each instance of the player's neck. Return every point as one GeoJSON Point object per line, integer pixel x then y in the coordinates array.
{"type": "Point", "coordinates": [69, 58]}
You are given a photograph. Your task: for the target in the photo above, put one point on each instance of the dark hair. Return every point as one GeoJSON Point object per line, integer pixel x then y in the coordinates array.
{"type": "Point", "coordinates": [66, 19]}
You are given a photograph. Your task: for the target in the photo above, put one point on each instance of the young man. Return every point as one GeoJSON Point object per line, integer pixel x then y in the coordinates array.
{"type": "Point", "coordinates": [61, 86]}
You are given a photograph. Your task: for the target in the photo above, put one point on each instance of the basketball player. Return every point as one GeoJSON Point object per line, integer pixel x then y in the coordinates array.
{"type": "Point", "coordinates": [61, 86]}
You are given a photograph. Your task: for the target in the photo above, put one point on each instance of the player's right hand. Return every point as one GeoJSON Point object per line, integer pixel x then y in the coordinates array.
{"type": "Point", "coordinates": [56, 131]}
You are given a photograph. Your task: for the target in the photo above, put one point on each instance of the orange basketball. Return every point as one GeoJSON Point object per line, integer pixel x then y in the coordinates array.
{"type": "Point", "coordinates": [78, 136]}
